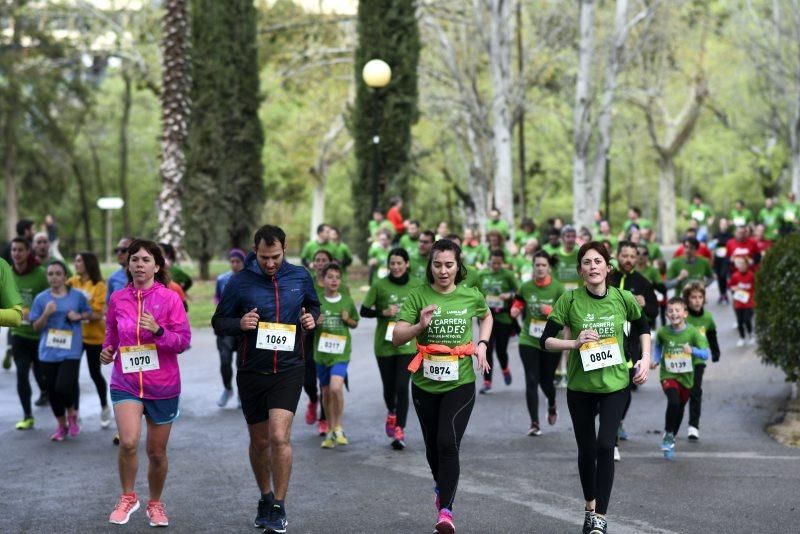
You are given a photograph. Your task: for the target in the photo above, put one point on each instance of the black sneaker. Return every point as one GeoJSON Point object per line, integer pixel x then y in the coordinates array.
{"type": "Point", "coordinates": [588, 515]}
{"type": "Point", "coordinates": [599, 525]}
{"type": "Point", "coordinates": [264, 507]}
{"type": "Point", "coordinates": [277, 520]}
{"type": "Point", "coordinates": [42, 400]}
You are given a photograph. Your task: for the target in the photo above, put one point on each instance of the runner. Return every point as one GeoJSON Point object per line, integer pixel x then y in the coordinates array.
{"type": "Point", "coordinates": [770, 216]}
{"type": "Point", "coordinates": [383, 300]}
{"type": "Point", "coordinates": [534, 302]}
{"type": "Point", "coordinates": [146, 378]}
{"type": "Point", "coordinates": [553, 243]}
{"type": "Point", "coordinates": [322, 242]}
{"type": "Point", "coordinates": [321, 258]}
{"type": "Point", "coordinates": [439, 315]}
{"type": "Point", "coordinates": [59, 312]}
{"type": "Point", "coordinates": [523, 262]}
{"type": "Point", "coordinates": [496, 224]}
{"type": "Point", "coordinates": [473, 278]}
{"type": "Point", "coordinates": [742, 246]}
{"type": "Point", "coordinates": [694, 295]}
{"type": "Point", "coordinates": [442, 231]}
{"type": "Point", "coordinates": [791, 214]}
{"type": "Point", "coordinates": [378, 224]}
{"type": "Point", "coordinates": [598, 375]}
{"type": "Point", "coordinates": [395, 217]}
{"type": "Point", "coordinates": [378, 255]}
{"type": "Point", "coordinates": [420, 258]}
{"type": "Point", "coordinates": [743, 286]}
{"type": "Point", "coordinates": [89, 281]}
{"type": "Point", "coordinates": [409, 240]}
{"type": "Point", "coordinates": [119, 279]}
{"type": "Point", "coordinates": [568, 275]}
{"type": "Point", "coordinates": [24, 229]}
{"type": "Point", "coordinates": [332, 347]}
{"type": "Point", "coordinates": [176, 272]}
{"type": "Point", "coordinates": [721, 262]}
{"type": "Point", "coordinates": [701, 212]}
{"type": "Point", "coordinates": [688, 267]}
{"type": "Point", "coordinates": [677, 344]}
{"type": "Point", "coordinates": [702, 249]}
{"type": "Point", "coordinates": [526, 232]}
{"type": "Point", "coordinates": [341, 252]}
{"type": "Point", "coordinates": [475, 254]}
{"type": "Point", "coordinates": [604, 234]}
{"type": "Point", "coordinates": [635, 219]}
{"type": "Point", "coordinates": [498, 286]}
{"type": "Point", "coordinates": [740, 215]}
{"type": "Point", "coordinates": [268, 303]}
{"type": "Point", "coordinates": [652, 274]}
{"type": "Point", "coordinates": [227, 345]}
{"type": "Point", "coordinates": [30, 280]}
{"type": "Point", "coordinates": [762, 242]}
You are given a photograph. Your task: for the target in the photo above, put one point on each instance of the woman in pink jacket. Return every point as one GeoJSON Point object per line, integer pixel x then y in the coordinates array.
{"type": "Point", "coordinates": [146, 329]}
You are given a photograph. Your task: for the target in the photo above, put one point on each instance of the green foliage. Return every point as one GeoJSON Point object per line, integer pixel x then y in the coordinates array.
{"type": "Point", "coordinates": [778, 299]}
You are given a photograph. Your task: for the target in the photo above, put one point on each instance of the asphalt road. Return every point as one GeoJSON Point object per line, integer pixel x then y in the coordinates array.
{"type": "Point", "coordinates": [736, 479]}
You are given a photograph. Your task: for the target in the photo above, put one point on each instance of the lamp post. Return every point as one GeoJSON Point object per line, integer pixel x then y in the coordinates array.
{"type": "Point", "coordinates": [376, 74]}
{"type": "Point", "coordinates": [108, 204]}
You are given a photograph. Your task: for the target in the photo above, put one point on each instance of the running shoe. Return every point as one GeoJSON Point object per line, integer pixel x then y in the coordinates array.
{"type": "Point", "coordinates": [668, 445]}
{"type": "Point", "coordinates": [445, 523]}
{"type": "Point", "coordinates": [74, 429]}
{"type": "Point", "coordinates": [740, 343]}
{"type": "Point", "coordinates": [599, 525]}
{"type": "Point", "coordinates": [225, 397]}
{"type": "Point", "coordinates": [621, 434]}
{"type": "Point", "coordinates": [126, 505]}
{"type": "Point", "coordinates": [588, 515]}
{"type": "Point", "coordinates": [7, 360]}
{"type": "Point", "coordinates": [323, 427]}
{"type": "Point", "coordinates": [115, 439]}
{"type": "Point", "coordinates": [534, 430]}
{"type": "Point", "coordinates": [752, 340]}
{"type": "Point", "coordinates": [277, 520]}
{"type": "Point", "coordinates": [264, 507]}
{"type": "Point", "coordinates": [399, 442]}
{"type": "Point", "coordinates": [329, 442]}
{"type": "Point", "coordinates": [311, 413]}
{"type": "Point", "coordinates": [507, 376]}
{"type": "Point", "coordinates": [552, 415]}
{"type": "Point", "coordinates": [487, 387]}
{"type": "Point", "coordinates": [391, 422]}
{"type": "Point", "coordinates": [562, 383]}
{"type": "Point", "coordinates": [157, 514]}
{"type": "Point", "coordinates": [341, 439]}
{"type": "Point", "coordinates": [105, 417]}
{"type": "Point", "coordinates": [42, 400]}
{"type": "Point", "coordinates": [25, 424]}
{"type": "Point", "coordinates": [617, 456]}
{"type": "Point", "coordinates": [60, 434]}
{"type": "Point", "coordinates": [694, 433]}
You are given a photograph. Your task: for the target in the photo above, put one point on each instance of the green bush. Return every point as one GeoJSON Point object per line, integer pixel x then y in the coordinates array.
{"type": "Point", "coordinates": [778, 306]}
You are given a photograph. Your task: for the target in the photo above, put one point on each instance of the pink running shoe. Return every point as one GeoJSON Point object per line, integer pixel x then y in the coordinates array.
{"type": "Point", "coordinates": [59, 434]}
{"type": "Point", "coordinates": [391, 422]}
{"type": "Point", "coordinates": [157, 514]}
{"type": "Point", "coordinates": [445, 524]}
{"type": "Point", "coordinates": [72, 423]}
{"type": "Point", "coordinates": [311, 413]}
{"type": "Point", "coordinates": [126, 505]}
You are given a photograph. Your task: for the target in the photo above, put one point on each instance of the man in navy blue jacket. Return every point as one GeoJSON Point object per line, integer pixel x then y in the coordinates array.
{"type": "Point", "coordinates": [270, 304]}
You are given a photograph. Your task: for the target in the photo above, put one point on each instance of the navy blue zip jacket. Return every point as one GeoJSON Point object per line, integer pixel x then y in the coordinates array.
{"type": "Point", "coordinates": [278, 299]}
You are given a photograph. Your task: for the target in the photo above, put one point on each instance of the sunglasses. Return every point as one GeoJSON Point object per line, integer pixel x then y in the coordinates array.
{"type": "Point", "coordinates": [120, 250]}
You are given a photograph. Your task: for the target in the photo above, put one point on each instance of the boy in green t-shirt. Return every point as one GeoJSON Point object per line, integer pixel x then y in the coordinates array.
{"type": "Point", "coordinates": [677, 344]}
{"type": "Point", "coordinates": [332, 346]}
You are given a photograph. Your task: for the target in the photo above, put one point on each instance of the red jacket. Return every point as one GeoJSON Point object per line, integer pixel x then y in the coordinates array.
{"type": "Point", "coordinates": [396, 218]}
{"type": "Point", "coordinates": [747, 248]}
{"type": "Point", "coordinates": [743, 286]}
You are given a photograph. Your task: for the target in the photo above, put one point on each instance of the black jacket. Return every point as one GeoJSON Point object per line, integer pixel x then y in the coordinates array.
{"type": "Point", "coordinates": [637, 284]}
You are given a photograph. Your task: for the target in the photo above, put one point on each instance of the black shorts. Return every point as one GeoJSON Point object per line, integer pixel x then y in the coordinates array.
{"type": "Point", "coordinates": [261, 393]}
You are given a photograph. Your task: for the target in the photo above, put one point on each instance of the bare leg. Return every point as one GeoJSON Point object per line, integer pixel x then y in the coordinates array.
{"type": "Point", "coordinates": [260, 454]}
{"type": "Point", "coordinates": [280, 428]}
{"type": "Point", "coordinates": [336, 395]}
{"type": "Point", "coordinates": [157, 437]}
{"type": "Point", "coordinates": [129, 425]}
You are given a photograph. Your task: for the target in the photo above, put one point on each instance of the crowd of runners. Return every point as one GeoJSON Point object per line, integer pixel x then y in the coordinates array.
{"type": "Point", "coordinates": [594, 311]}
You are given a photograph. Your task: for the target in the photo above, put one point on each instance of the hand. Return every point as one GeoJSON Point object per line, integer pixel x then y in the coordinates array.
{"type": "Point", "coordinates": [426, 316]}
{"type": "Point", "coordinates": [480, 353]}
{"type": "Point", "coordinates": [506, 296]}
{"type": "Point", "coordinates": [391, 311]}
{"type": "Point", "coordinates": [50, 309]}
{"type": "Point", "coordinates": [653, 365]}
{"type": "Point", "coordinates": [642, 369]}
{"type": "Point", "coordinates": [74, 316]}
{"type": "Point", "coordinates": [687, 349]}
{"type": "Point", "coordinates": [148, 322]}
{"type": "Point", "coordinates": [715, 357]}
{"type": "Point", "coordinates": [345, 316]}
{"type": "Point", "coordinates": [545, 309]}
{"type": "Point", "coordinates": [249, 320]}
{"type": "Point", "coordinates": [640, 300]}
{"type": "Point", "coordinates": [320, 319]}
{"type": "Point", "coordinates": [585, 337]}
{"type": "Point", "coordinates": [683, 274]}
{"type": "Point", "coordinates": [107, 355]}
{"type": "Point", "coordinates": [307, 320]}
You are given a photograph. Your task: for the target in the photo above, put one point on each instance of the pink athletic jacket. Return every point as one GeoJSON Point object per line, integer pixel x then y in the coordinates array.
{"type": "Point", "coordinates": [122, 329]}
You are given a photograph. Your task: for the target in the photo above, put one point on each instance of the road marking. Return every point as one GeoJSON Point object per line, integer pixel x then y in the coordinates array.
{"type": "Point", "coordinates": [732, 455]}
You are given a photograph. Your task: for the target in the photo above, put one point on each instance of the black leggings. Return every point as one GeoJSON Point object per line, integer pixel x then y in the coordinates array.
{"type": "Point", "coordinates": [596, 450]}
{"type": "Point", "coordinates": [93, 359]}
{"type": "Point", "coordinates": [498, 342]}
{"type": "Point", "coordinates": [443, 418]}
{"type": "Point", "coordinates": [696, 400]}
{"type": "Point", "coordinates": [310, 380]}
{"type": "Point", "coordinates": [540, 369]}
{"type": "Point", "coordinates": [722, 269]}
{"type": "Point", "coordinates": [395, 376]}
{"type": "Point", "coordinates": [675, 408]}
{"type": "Point", "coordinates": [226, 346]}
{"type": "Point", "coordinates": [26, 355]}
{"type": "Point", "coordinates": [744, 320]}
{"type": "Point", "coordinates": [61, 378]}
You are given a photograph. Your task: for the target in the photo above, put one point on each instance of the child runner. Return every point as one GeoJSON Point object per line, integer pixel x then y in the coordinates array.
{"type": "Point", "coordinates": [743, 286]}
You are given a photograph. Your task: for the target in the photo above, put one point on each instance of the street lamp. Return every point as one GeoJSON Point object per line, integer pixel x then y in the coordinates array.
{"type": "Point", "coordinates": [376, 74]}
{"type": "Point", "coordinates": [108, 204]}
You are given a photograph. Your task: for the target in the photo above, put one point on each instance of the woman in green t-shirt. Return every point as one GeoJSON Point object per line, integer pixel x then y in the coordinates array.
{"type": "Point", "coordinates": [439, 315]}
{"type": "Point", "coordinates": [383, 300]}
{"type": "Point", "coordinates": [597, 372]}
{"type": "Point", "coordinates": [534, 302]}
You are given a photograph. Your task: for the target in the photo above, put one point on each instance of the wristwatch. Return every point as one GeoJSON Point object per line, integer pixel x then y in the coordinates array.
{"type": "Point", "coordinates": [159, 332]}
{"type": "Point", "coordinates": [484, 342]}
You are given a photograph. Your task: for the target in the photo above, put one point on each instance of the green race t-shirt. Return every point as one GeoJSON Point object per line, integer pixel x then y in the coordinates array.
{"type": "Point", "coordinates": [499, 225]}
{"type": "Point", "coordinates": [474, 255]}
{"type": "Point", "coordinates": [579, 310]}
{"type": "Point", "coordinates": [523, 267]}
{"type": "Point", "coordinates": [473, 278]}
{"type": "Point", "coordinates": [651, 273]}
{"type": "Point", "coordinates": [535, 297]}
{"type": "Point", "coordinates": [418, 266]}
{"type": "Point", "coordinates": [409, 244]}
{"type": "Point", "coordinates": [703, 323]}
{"type": "Point", "coordinates": [492, 284]}
{"type": "Point", "coordinates": [741, 217]}
{"type": "Point", "coordinates": [451, 325]}
{"type": "Point", "coordinates": [771, 219]}
{"type": "Point", "coordinates": [311, 248]}
{"type": "Point", "coordinates": [10, 301]}
{"type": "Point", "coordinates": [521, 237]}
{"type": "Point", "coordinates": [381, 254]}
{"type": "Point", "coordinates": [671, 343]}
{"type": "Point", "coordinates": [567, 269]}
{"type": "Point", "coordinates": [698, 270]}
{"type": "Point", "coordinates": [382, 295]}
{"type": "Point", "coordinates": [334, 326]}
{"type": "Point", "coordinates": [29, 285]}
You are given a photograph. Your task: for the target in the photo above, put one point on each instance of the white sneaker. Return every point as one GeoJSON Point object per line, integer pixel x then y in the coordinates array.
{"type": "Point", "coordinates": [105, 417]}
{"type": "Point", "coordinates": [617, 456]}
{"type": "Point", "coordinates": [694, 433]}
{"type": "Point", "coordinates": [752, 340]}
{"type": "Point", "coordinates": [740, 343]}
{"type": "Point", "coordinates": [225, 397]}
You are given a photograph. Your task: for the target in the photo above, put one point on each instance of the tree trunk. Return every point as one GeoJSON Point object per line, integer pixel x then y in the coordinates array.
{"type": "Point", "coordinates": [666, 201]}
{"type": "Point", "coordinates": [794, 136]}
{"type": "Point", "coordinates": [478, 184]}
{"type": "Point", "coordinates": [523, 194]}
{"type": "Point", "coordinates": [123, 150]}
{"type": "Point", "coordinates": [204, 266]}
{"type": "Point", "coordinates": [317, 206]}
{"type": "Point", "coordinates": [85, 207]}
{"type": "Point", "coordinates": [10, 132]}
{"type": "Point", "coordinates": [582, 189]}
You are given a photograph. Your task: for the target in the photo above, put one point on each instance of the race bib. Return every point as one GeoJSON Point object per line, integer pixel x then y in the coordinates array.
{"type": "Point", "coordinates": [443, 368]}
{"type": "Point", "coordinates": [494, 302]}
{"type": "Point", "coordinates": [788, 216]}
{"type": "Point", "coordinates": [331, 343]}
{"type": "Point", "coordinates": [536, 328]}
{"type": "Point", "coordinates": [25, 322]}
{"type": "Point", "coordinates": [526, 277]}
{"type": "Point", "coordinates": [679, 363]}
{"type": "Point", "coordinates": [741, 295]}
{"type": "Point", "coordinates": [569, 286]}
{"type": "Point", "coordinates": [275, 336]}
{"type": "Point", "coordinates": [138, 358]}
{"type": "Point", "coordinates": [699, 215]}
{"type": "Point", "coordinates": [383, 272]}
{"type": "Point", "coordinates": [59, 339]}
{"type": "Point", "coordinates": [721, 252]}
{"type": "Point", "coordinates": [599, 354]}
{"type": "Point", "coordinates": [739, 221]}
{"type": "Point", "coordinates": [389, 331]}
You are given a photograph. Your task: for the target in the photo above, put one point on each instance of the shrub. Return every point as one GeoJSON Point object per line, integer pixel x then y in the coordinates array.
{"type": "Point", "coordinates": [778, 306]}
